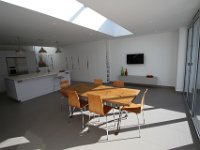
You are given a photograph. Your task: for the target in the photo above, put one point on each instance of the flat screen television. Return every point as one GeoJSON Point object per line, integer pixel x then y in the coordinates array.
{"type": "Point", "coordinates": [135, 58]}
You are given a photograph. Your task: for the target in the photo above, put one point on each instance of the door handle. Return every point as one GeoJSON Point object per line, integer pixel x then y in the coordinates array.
{"type": "Point", "coordinates": [190, 64]}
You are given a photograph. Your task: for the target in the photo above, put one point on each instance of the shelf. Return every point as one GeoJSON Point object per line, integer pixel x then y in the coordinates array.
{"type": "Point", "coordinates": [139, 80]}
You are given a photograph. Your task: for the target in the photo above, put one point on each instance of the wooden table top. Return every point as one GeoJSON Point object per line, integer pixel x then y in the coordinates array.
{"type": "Point", "coordinates": [122, 96]}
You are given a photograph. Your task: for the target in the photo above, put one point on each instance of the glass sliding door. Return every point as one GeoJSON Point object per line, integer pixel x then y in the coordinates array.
{"type": "Point", "coordinates": [196, 118]}
{"type": "Point", "coordinates": [196, 104]}
{"type": "Point", "coordinates": [192, 76]}
{"type": "Point", "coordinates": [188, 63]}
{"type": "Point", "coordinates": [193, 65]}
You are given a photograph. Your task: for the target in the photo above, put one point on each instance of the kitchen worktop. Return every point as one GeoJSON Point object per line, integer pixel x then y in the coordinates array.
{"type": "Point", "coordinates": [34, 75]}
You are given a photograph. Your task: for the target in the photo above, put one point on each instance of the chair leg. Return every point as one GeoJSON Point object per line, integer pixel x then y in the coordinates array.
{"type": "Point", "coordinates": [107, 127]}
{"type": "Point", "coordinates": [143, 117]}
{"type": "Point", "coordinates": [70, 112]}
{"type": "Point", "coordinates": [89, 118]}
{"type": "Point", "coordinates": [88, 124]}
{"type": "Point", "coordinates": [126, 114]}
{"type": "Point", "coordinates": [113, 113]}
{"type": "Point", "coordinates": [138, 124]}
{"type": "Point", "coordinates": [114, 116]}
{"type": "Point", "coordinates": [61, 103]}
{"type": "Point", "coordinates": [98, 118]}
{"type": "Point", "coordinates": [94, 116]}
{"type": "Point", "coordinates": [119, 122]}
{"type": "Point", "coordinates": [82, 118]}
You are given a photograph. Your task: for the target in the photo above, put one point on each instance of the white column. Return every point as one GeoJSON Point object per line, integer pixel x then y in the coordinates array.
{"type": "Point", "coordinates": [182, 46]}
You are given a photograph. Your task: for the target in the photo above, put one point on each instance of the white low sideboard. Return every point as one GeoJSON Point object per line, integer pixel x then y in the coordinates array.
{"type": "Point", "coordinates": [139, 80]}
{"type": "Point", "coordinates": [26, 87]}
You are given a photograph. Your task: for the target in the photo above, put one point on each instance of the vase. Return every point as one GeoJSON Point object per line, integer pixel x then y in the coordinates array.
{"type": "Point", "coordinates": [122, 71]}
{"type": "Point", "coordinates": [126, 72]}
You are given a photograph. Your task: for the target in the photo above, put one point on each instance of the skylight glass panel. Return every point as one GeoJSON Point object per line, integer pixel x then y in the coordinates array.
{"type": "Point", "coordinates": [62, 9]}
{"type": "Point", "coordinates": [74, 12]}
{"type": "Point", "coordinates": [85, 21]}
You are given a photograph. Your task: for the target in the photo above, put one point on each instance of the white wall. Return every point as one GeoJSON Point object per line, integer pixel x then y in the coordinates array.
{"type": "Point", "coordinates": [160, 57]}
{"type": "Point", "coordinates": [94, 53]}
{"type": "Point", "coordinates": [182, 45]}
{"type": "Point", "coordinates": [160, 54]}
{"type": "Point", "coordinates": [54, 60]}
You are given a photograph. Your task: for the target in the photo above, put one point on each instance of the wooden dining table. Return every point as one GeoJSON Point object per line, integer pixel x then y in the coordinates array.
{"type": "Point", "coordinates": [109, 94]}
{"type": "Point", "coordinates": [115, 95]}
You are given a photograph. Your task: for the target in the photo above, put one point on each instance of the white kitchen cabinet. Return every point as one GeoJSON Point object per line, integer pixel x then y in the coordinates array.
{"type": "Point", "coordinates": [29, 86]}
{"type": "Point", "coordinates": [31, 61]}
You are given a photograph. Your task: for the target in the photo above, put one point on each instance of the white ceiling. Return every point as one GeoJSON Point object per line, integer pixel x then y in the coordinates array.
{"type": "Point", "coordinates": [138, 16]}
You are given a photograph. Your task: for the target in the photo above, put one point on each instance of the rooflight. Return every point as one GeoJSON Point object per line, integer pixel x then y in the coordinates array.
{"type": "Point", "coordinates": [74, 12]}
{"type": "Point", "coordinates": [83, 19]}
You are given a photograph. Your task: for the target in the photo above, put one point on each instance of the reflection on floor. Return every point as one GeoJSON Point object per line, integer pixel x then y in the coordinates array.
{"type": "Point", "coordinates": [40, 124]}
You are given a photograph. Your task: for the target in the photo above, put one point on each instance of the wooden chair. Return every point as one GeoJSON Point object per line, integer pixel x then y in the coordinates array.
{"type": "Point", "coordinates": [134, 108]}
{"type": "Point", "coordinates": [63, 85]}
{"type": "Point", "coordinates": [75, 102]}
{"type": "Point", "coordinates": [118, 83]}
{"type": "Point", "coordinates": [98, 82]}
{"type": "Point", "coordinates": [96, 106]}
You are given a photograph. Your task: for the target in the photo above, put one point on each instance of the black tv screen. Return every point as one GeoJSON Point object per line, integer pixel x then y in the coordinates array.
{"type": "Point", "coordinates": [135, 58]}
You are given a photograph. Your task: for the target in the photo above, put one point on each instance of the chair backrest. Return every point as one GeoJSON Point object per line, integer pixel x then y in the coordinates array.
{"type": "Point", "coordinates": [98, 81]}
{"type": "Point", "coordinates": [64, 84]}
{"type": "Point", "coordinates": [73, 99]}
{"type": "Point", "coordinates": [95, 104]}
{"type": "Point", "coordinates": [143, 98]}
{"type": "Point", "coordinates": [118, 83]}
{"type": "Point", "coordinates": [64, 93]}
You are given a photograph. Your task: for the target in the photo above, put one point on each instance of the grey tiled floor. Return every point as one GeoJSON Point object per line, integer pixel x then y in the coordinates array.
{"type": "Point", "coordinates": [39, 124]}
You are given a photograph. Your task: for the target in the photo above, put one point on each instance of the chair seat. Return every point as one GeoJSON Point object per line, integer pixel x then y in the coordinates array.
{"type": "Point", "coordinates": [118, 83]}
{"type": "Point", "coordinates": [97, 106]}
{"type": "Point", "coordinates": [75, 102]}
{"type": "Point", "coordinates": [132, 108]}
{"type": "Point", "coordinates": [64, 91]}
{"type": "Point", "coordinates": [98, 82]}
{"type": "Point", "coordinates": [63, 86]}
{"type": "Point", "coordinates": [83, 103]}
{"type": "Point", "coordinates": [106, 109]}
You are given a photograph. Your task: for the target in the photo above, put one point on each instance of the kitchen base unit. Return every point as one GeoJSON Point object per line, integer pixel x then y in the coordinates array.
{"type": "Point", "coordinates": [29, 86]}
